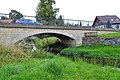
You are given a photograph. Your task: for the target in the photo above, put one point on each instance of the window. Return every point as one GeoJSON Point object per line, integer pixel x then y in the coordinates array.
{"type": "Point", "coordinates": [112, 20]}
{"type": "Point", "coordinates": [117, 19]}
{"type": "Point", "coordinates": [117, 25]}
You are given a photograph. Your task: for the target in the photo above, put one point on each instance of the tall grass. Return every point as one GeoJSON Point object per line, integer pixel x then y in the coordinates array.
{"type": "Point", "coordinates": [41, 54]}
{"type": "Point", "coordinates": [99, 51]}
{"type": "Point", "coordinates": [44, 66]}
{"type": "Point", "coordinates": [9, 54]}
{"type": "Point", "coordinates": [57, 68]}
{"type": "Point", "coordinates": [100, 54]}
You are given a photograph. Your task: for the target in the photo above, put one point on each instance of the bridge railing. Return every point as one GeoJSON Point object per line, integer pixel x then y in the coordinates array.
{"type": "Point", "coordinates": [57, 21]}
{"type": "Point", "coordinates": [71, 23]}
{"type": "Point", "coordinates": [56, 27]}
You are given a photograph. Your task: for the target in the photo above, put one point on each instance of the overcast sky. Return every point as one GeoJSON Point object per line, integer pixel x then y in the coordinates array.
{"type": "Point", "coordinates": [71, 9]}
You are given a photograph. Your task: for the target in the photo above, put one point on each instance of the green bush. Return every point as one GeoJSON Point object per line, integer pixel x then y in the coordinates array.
{"type": "Point", "coordinates": [45, 42]}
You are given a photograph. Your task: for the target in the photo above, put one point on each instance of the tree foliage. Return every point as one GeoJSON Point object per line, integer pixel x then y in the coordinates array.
{"type": "Point", "coordinates": [45, 11]}
{"type": "Point", "coordinates": [3, 17]}
{"type": "Point", "coordinates": [45, 42]}
{"type": "Point", "coordinates": [60, 21]}
{"type": "Point", "coordinates": [15, 15]}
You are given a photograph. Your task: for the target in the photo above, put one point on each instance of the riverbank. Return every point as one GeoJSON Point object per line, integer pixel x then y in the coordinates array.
{"type": "Point", "coordinates": [99, 54]}
{"type": "Point", "coordinates": [42, 65]}
{"type": "Point", "coordinates": [57, 68]}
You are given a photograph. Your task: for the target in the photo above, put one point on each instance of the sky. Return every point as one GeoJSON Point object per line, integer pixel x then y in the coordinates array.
{"type": "Point", "coordinates": [69, 9]}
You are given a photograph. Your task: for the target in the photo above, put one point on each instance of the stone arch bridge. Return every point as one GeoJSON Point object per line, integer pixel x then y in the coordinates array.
{"type": "Point", "coordinates": [12, 33]}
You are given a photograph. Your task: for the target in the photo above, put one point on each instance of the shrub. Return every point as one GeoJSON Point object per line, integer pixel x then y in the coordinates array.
{"type": "Point", "coordinates": [45, 42]}
{"type": "Point", "coordinates": [12, 54]}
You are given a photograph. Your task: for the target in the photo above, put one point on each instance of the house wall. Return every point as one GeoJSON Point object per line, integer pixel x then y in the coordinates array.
{"type": "Point", "coordinates": [114, 26]}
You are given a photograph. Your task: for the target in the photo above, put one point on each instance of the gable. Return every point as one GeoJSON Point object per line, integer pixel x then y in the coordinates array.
{"type": "Point", "coordinates": [101, 20]}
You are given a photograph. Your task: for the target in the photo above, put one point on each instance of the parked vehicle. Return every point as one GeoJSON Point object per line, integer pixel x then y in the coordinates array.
{"type": "Point", "coordinates": [27, 21]}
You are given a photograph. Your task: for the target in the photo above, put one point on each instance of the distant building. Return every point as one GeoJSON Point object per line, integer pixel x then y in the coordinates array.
{"type": "Point", "coordinates": [107, 21]}
{"type": "Point", "coordinates": [8, 21]}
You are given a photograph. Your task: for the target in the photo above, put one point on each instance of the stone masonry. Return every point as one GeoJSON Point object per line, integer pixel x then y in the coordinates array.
{"type": "Point", "coordinates": [96, 40]}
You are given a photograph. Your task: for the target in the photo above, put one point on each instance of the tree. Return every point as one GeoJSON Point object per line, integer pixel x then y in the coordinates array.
{"type": "Point", "coordinates": [15, 15]}
{"type": "Point", "coordinates": [45, 11]}
{"type": "Point", "coordinates": [3, 17]}
{"type": "Point", "coordinates": [45, 42]}
{"type": "Point", "coordinates": [60, 21]}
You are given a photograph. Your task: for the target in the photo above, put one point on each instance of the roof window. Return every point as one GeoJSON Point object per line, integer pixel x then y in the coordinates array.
{"type": "Point", "coordinates": [117, 19]}
{"type": "Point", "coordinates": [111, 19]}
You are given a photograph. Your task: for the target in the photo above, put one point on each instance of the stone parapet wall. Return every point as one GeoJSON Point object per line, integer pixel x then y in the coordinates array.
{"type": "Point", "coordinates": [88, 28]}
{"type": "Point", "coordinates": [96, 40]}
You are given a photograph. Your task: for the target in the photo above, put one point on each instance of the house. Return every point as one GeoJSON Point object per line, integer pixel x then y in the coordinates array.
{"type": "Point", "coordinates": [107, 21]}
{"type": "Point", "coordinates": [8, 21]}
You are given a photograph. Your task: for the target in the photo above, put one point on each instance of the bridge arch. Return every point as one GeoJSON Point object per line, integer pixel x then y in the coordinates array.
{"type": "Point", "coordinates": [12, 33]}
{"type": "Point", "coordinates": [72, 38]}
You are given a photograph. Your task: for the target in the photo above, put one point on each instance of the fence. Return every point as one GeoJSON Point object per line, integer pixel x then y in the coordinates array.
{"type": "Point", "coordinates": [57, 22]}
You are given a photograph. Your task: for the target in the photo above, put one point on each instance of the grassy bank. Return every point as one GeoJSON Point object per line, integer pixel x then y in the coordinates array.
{"type": "Point", "coordinates": [41, 65]}
{"type": "Point", "coordinates": [110, 35]}
{"type": "Point", "coordinates": [57, 68]}
{"type": "Point", "coordinates": [96, 54]}
{"type": "Point", "coordinates": [99, 51]}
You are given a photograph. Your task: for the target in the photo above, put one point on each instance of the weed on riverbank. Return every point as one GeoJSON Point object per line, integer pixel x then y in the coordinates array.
{"type": "Point", "coordinates": [24, 66]}
{"type": "Point", "coordinates": [11, 54]}
{"type": "Point", "coordinates": [102, 54]}
{"type": "Point", "coordinates": [99, 51]}
{"type": "Point", "coordinates": [57, 68]}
